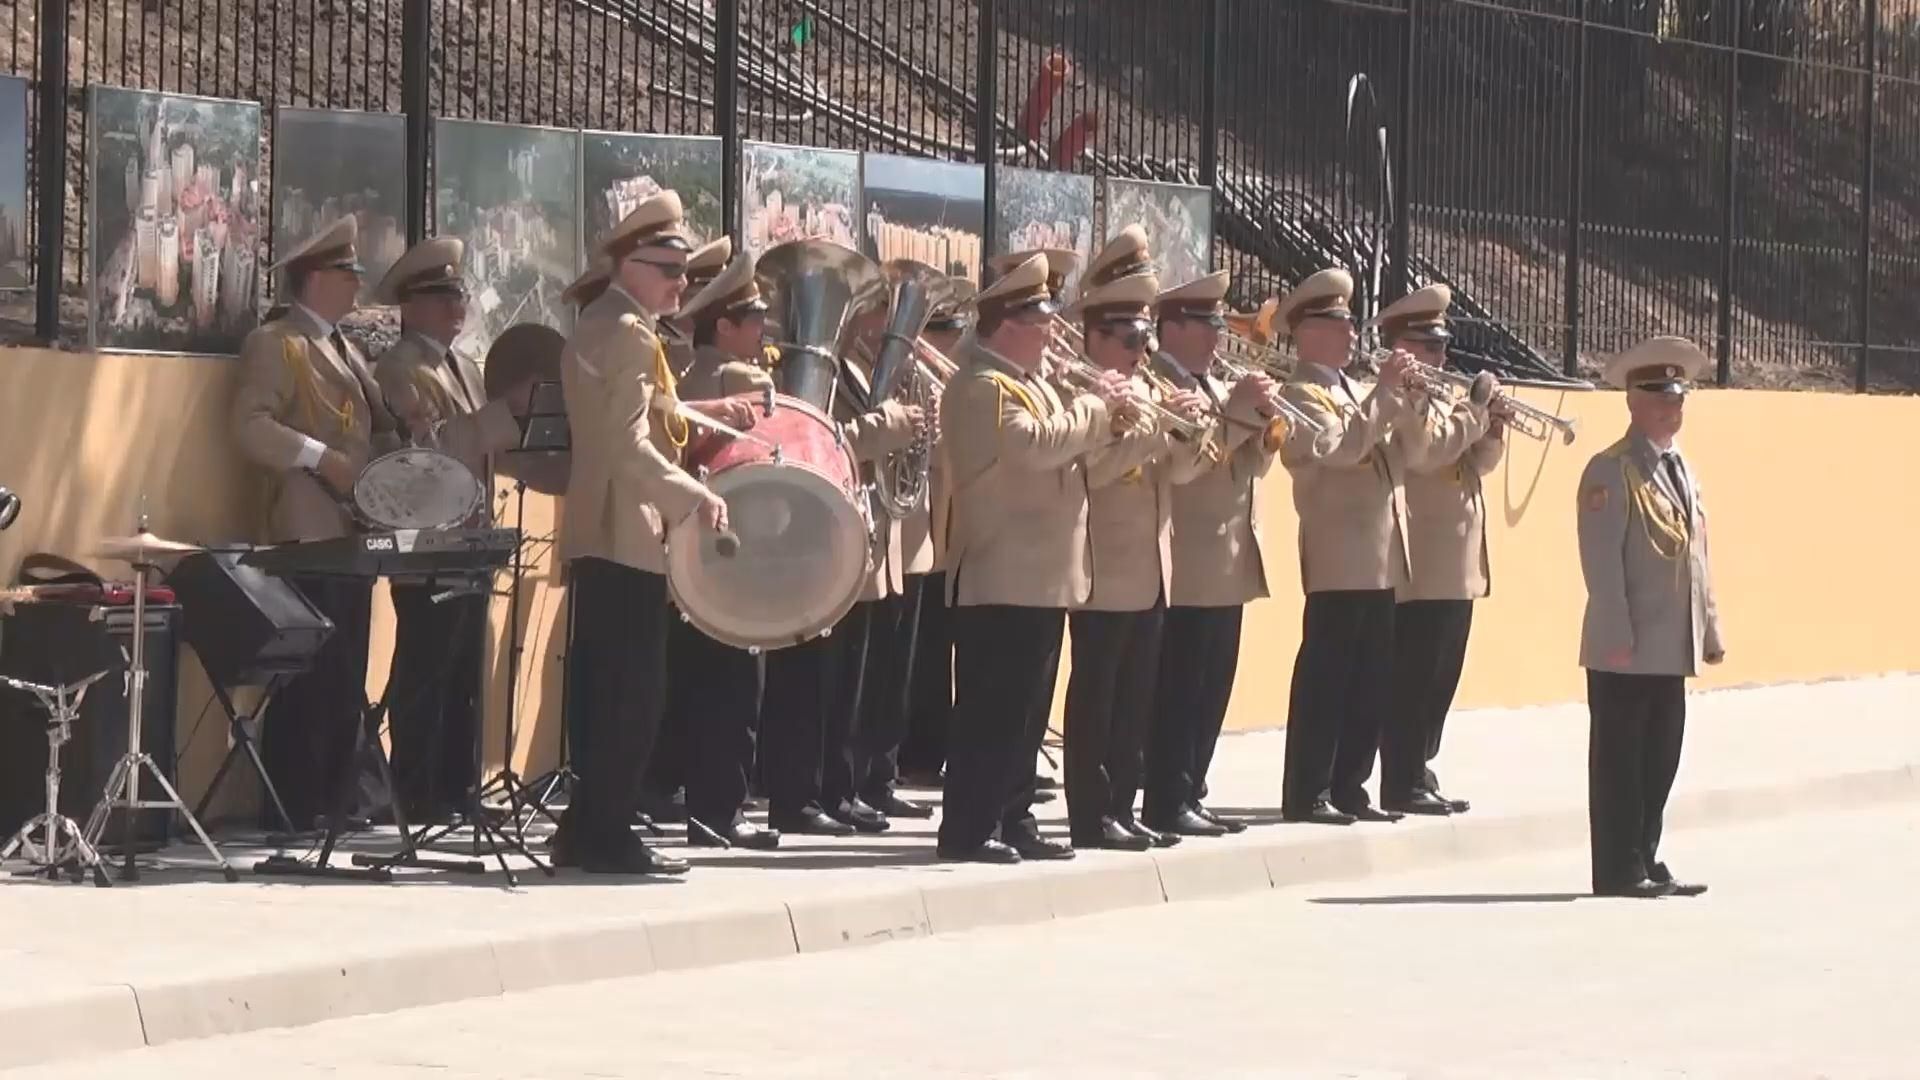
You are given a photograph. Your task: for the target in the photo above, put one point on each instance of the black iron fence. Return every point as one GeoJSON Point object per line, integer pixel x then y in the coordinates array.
{"type": "Point", "coordinates": [1585, 173]}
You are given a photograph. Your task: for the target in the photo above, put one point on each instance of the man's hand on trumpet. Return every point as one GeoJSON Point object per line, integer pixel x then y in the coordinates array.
{"type": "Point", "coordinates": [1188, 403]}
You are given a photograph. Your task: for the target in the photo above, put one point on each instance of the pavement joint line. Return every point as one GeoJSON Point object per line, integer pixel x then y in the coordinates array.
{"type": "Point", "coordinates": [425, 976]}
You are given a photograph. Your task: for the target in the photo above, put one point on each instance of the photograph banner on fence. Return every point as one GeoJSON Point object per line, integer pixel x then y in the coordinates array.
{"type": "Point", "coordinates": [13, 182]}
{"type": "Point", "coordinates": [329, 163]}
{"type": "Point", "coordinates": [916, 208]}
{"type": "Point", "coordinates": [512, 193]}
{"type": "Point", "coordinates": [175, 225]}
{"type": "Point", "coordinates": [798, 193]}
{"type": "Point", "coordinates": [1036, 208]}
{"type": "Point", "coordinates": [620, 170]}
{"type": "Point", "coordinates": [1178, 219]}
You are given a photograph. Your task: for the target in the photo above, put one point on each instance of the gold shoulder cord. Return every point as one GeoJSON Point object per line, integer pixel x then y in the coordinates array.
{"type": "Point", "coordinates": [1667, 531]}
{"type": "Point", "coordinates": [663, 375]}
{"type": "Point", "coordinates": [1020, 394]}
{"type": "Point", "coordinates": [306, 388]}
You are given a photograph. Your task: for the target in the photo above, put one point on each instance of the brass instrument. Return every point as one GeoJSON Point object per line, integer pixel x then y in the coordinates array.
{"type": "Point", "coordinates": [1529, 420]}
{"type": "Point", "coordinates": [1283, 411]}
{"type": "Point", "coordinates": [812, 288]}
{"type": "Point", "coordinates": [1065, 350]}
{"type": "Point", "coordinates": [902, 483]}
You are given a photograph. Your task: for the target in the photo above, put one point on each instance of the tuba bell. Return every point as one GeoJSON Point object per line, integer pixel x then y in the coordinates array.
{"type": "Point", "coordinates": [811, 288]}
{"type": "Point", "coordinates": [901, 483]}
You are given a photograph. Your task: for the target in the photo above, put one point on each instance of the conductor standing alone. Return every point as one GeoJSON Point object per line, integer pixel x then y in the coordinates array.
{"type": "Point", "coordinates": [1650, 620]}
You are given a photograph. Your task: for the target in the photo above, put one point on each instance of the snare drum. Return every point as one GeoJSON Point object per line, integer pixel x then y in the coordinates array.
{"type": "Point", "coordinates": [803, 528]}
{"type": "Point", "coordinates": [417, 489]}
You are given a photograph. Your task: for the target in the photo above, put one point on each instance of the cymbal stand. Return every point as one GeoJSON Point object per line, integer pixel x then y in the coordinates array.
{"type": "Point", "coordinates": [123, 784]}
{"type": "Point", "coordinates": [507, 784]}
{"type": "Point", "coordinates": [56, 850]}
{"type": "Point", "coordinates": [559, 780]}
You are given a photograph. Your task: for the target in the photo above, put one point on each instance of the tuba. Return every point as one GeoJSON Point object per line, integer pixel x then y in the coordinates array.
{"type": "Point", "coordinates": [811, 288]}
{"type": "Point", "coordinates": [901, 482]}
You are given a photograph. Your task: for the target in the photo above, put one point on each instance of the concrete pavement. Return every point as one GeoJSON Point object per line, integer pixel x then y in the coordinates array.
{"type": "Point", "coordinates": [181, 956]}
{"type": "Point", "coordinates": [1790, 967]}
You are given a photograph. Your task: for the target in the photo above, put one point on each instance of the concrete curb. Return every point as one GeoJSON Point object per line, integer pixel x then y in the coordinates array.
{"type": "Point", "coordinates": [115, 1018]}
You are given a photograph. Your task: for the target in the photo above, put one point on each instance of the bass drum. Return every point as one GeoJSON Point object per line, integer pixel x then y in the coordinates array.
{"type": "Point", "coordinates": [803, 533]}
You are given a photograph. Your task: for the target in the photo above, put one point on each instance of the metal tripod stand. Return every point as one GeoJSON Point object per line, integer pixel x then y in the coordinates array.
{"type": "Point", "coordinates": [517, 793]}
{"type": "Point", "coordinates": [64, 846]}
{"type": "Point", "coordinates": [123, 784]}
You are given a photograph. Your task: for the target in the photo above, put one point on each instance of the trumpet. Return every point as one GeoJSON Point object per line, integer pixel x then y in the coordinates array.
{"type": "Point", "coordinates": [1251, 354]}
{"type": "Point", "coordinates": [1066, 347]}
{"type": "Point", "coordinates": [1282, 410]}
{"type": "Point", "coordinates": [1529, 420]}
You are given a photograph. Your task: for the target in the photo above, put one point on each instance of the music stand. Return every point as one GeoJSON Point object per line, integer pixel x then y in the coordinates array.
{"type": "Point", "coordinates": [546, 434]}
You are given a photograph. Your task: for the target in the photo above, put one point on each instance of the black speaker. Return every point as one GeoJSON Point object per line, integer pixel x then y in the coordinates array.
{"type": "Point", "coordinates": [244, 623]}
{"type": "Point", "coordinates": [58, 643]}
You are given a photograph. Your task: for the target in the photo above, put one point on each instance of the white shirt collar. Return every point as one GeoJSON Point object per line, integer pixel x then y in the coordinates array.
{"type": "Point", "coordinates": [326, 328]}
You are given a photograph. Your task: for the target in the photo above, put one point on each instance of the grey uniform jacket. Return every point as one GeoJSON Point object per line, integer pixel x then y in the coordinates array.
{"type": "Point", "coordinates": [1643, 552]}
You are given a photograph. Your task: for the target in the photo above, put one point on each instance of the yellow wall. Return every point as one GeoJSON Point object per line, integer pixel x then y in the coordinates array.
{"type": "Point", "coordinates": [1808, 551]}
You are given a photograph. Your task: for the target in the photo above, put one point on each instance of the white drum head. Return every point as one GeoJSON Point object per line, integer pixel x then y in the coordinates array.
{"type": "Point", "coordinates": [417, 489]}
{"type": "Point", "coordinates": [798, 569]}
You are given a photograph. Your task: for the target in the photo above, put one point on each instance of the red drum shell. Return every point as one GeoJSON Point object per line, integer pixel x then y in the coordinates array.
{"type": "Point", "coordinates": [802, 527]}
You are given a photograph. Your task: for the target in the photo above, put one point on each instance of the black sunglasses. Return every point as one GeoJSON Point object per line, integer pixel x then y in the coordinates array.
{"type": "Point", "coordinates": [1132, 337]}
{"type": "Point", "coordinates": [669, 270]}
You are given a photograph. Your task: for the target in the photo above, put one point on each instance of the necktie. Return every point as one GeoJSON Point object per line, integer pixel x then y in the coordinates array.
{"type": "Point", "coordinates": [1671, 462]}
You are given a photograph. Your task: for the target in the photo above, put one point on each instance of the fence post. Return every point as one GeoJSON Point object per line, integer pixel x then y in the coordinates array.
{"type": "Point", "coordinates": [1400, 164]}
{"type": "Point", "coordinates": [416, 67]}
{"type": "Point", "coordinates": [1576, 195]}
{"type": "Point", "coordinates": [986, 133]}
{"type": "Point", "coordinates": [1210, 49]}
{"type": "Point", "coordinates": [1729, 179]}
{"type": "Point", "coordinates": [51, 155]}
{"type": "Point", "coordinates": [726, 110]}
{"type": "Point", "coordinates": [1866, 200]}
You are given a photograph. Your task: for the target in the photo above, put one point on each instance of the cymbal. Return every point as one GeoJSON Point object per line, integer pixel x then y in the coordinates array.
{"type": "Point", "coordinates": [140, 547]}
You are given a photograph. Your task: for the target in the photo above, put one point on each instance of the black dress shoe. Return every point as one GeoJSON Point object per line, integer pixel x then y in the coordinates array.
{"type": "Point", "coordinates": [1113, 836]}
{"type": "Point", "coordinates": [1320, 813]}
{"type": "Point", "coordinates": [1366, 812]}
{"type": "Point", "coordinates": [1458, 806]}
{"type": "Point", "coordinates": [894, 806]}
{"type": "Point", "coordinates": [811, 821]}
{"type": "Point", "coordinates": [1045, 795]}
{"type": "Point", "coordinates": [921, 778]}
{"type": "Point", "coordinates": [1644, 889]}
{"type": "Point", "coordinates": [1157, 839]}
{"type": "Point", "coordinates": [1039, 848]}
{"type": "Point", "coordinates": [632, 857]}
{"type": "Point", "coordinates": [1424, 803]}
{"type": "Point", "coordinates": [1660, 875]}
{"type": "Point", "coordinates": [740, 834]}
{"type": "Point", "coordinates": [658, 807]}
{"type": "Point", "coordinates": [862, 817]}
{"type": "Point", "coordinates": [1185, 822]}
{"type": "Point", "coordinates": [993, 851]}
{"type": "Point", "coordinates": [1210, 817]}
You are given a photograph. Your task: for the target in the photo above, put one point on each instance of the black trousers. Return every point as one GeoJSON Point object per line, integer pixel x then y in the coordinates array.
{"type": "Point", "coordinates": [1636, 726]}
{"type": "Point", "coordinates": [1429, 650]}
{"type": "Point", "coordinates": [1199, 656]}
{"type": "Point", "coordinates": [1342, 689]}
{"type": "Point", "coordinates": [317, 726]}
{"type": "Point", "coordinates": [438, 650]}
{"type": "Point", "coordinates": [616, 667]}
{"type": "Point", "coordinates": [1005, 661]}
{"type": "Point", "coordinates": [885, 690]}
{"type": "Point", "coordinates": [1110, 692]}
{"type": "Point", "coordinates": [806, 728]}
{"type": "Point", "coordinates": [713, 706]}
{"type": "Point", "coordinates": [931, 695]}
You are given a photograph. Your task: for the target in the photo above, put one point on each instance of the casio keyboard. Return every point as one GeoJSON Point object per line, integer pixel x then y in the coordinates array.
{"type": "Point", "coordinates": [408, 553]}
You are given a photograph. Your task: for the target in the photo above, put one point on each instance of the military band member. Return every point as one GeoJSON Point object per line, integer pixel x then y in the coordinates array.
{"type": "Point", "coordinates": [1353, 555]}
{"type": "Point", "coordinates": [308, 412]}
{"type": "Point", "coordinates": [625, 490]}
{"type": "Point", "coordinates": [1017, 559]}
{"type": "Point", "coordinates": [1651, 621]}
{"type": "Point", "coordinates": [1448, 445]}
{"type": "Point", "coordinates": [1217, 565]}
{"type": "Point", "coordinates": [1116, 633]}
{"type": "Point", "coordinates": [439, 647]}
{"type": "Point", "coordinates": [714, 689]}
{"type": "Point", "coordinates": [930, 696]}
{"type": "Point", "coordinates": [811, 737]}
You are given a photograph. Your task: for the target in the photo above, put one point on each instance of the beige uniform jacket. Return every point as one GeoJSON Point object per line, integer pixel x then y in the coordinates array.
{"type": "Point", "coordinates": [625, 488]}
{"type": "Point", "coordinates": [1447, 448]}
{"type": "Point", "coordinates": [296, 384]}
{"type": "Point", "coordinates": [1217, 555]}
{"type": "Point", "coordinates": [710, 373]}
{"type": "Point", "coordinates": [1130, 515]}
{"type": "Point", "coordinates": [1643, 552]}
{"type": "Point", "coordinates": [1017, 523]}
{"type": "Point", "coordinates": [430, 391]}
{"type": "Point", "coordinates": [1347, 484]}
{"type": "Point", "coordinates": [873, 435]}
